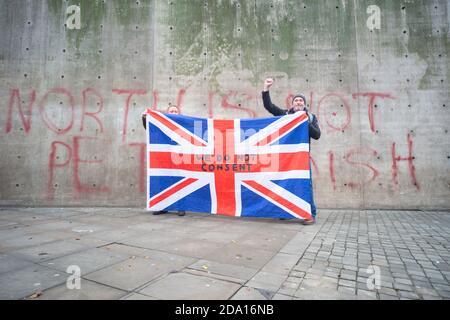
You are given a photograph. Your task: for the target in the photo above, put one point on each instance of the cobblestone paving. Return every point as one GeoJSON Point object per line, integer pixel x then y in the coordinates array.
{"type": "Point", "coordinates": [409, 250]}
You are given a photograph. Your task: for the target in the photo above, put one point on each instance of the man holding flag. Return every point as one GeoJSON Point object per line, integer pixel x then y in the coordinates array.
{"type": "Point", "coordinates": [298, 103]}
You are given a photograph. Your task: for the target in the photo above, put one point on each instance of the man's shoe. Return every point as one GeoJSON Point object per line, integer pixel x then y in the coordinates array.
{"type": "Point", "coordinates": [181, 213]}
{"type": "Point", "coordinates": [155, 213]}
{"type": "Point", "coordinates": [308, 222]}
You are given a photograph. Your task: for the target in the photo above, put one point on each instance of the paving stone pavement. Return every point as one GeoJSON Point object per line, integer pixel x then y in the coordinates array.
{"type": "Point", "coordinates": [128, 253]}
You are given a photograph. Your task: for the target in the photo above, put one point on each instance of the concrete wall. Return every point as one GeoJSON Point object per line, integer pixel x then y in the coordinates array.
{"type": "Point", "coordinates": [70, 100]}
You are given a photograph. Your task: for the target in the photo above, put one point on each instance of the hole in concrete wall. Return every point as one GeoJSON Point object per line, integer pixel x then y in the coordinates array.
{"type": "Point", "coordinates": [404, 31]}
{"type": "Point", "coordinates": [56, 185]}
{"type": "Point", "coordinates": [170, 53]}
{"type": "Point", "coordinates": [374, 80]}
{"type": "Point", "coordinates": [442, 80]}
{"type": "Point", "coordinates": [273, 54]}
{"type": "Point", "coordinates": [376, 131]}
{"type": "Point", "coordinates": [27, 49]}
{"type": "Point", "coordinates": [25, 75]}
{"type": "Point", "coordinates": [137, 27]}
{"type": "Point", "coordinates": [94, 185]}
{"type": "Point", "coordinates": [134, 78]}
{"type": "Point", "coordinates": [100, 51]}
{"type": "Point", "coordinates": [18, 157]}
{"type": "Point", "coordinates": [406, 56]}
{"type": "Point", "coordinates": [204, 53]}
{"type": "Point", "coordinates": [131, 185]}
{"type": "Point", "coordinates": [135, 52]}
{"type": "Point", "coordinates": [170, 78]}
{"type": "Point", "coordinates": [101, 26]}
{"type": "Point", "coordinates": [99, 77]}
{"type": "Point", "coordinates": [403, 8]}
{"type": "Point", "coordinates": [409, 106]}
{"type": "Point", "coordinates": [339, 55]}
{"type": "Point", "coordinates": [63, 50]}
{"type": "Point", "coordinates": [171, 28]}
{"type": "Point", "coordinates": [340, 80]}
{"type": "Point", "coordinates": [306, 54]}
{"type": "Point", "coordinates": [443, 105]}
{"type": "Point", "coordinates": [306, 30]}
{"type": "Point", "coordinates": [307, 80]}
{"type": "Point", "coordinates": [304, 7]}
{"type": "Point", "coordinates": [337, 7]}
{"type": "Point", "coordinates": [62, 76]}
{"type": "Point", "coordinates": [407, 80]}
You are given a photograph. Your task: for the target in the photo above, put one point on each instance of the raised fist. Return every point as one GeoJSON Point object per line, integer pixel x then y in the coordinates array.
{"type": "Point", "coordinates": [268, 83]}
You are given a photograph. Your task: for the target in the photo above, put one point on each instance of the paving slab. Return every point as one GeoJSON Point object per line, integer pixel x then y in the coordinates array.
{"type": "Point", "coordinates": [225, 269]}
{"type": "Point", "coordinates": [26, 281]}
{"type": "Point", "coordinates": [87, 260]}
{"type": "Point", "coordinates": [10, 262]}
{"type": "Point", "coordinates": [136, 271]}
{"type": "Point", "coordinates": [88, 291]}
{"type": "Point", "coordinates": [248, 293]}
{"type": "Point", "coordinates": [48, 251]}
{"type": "Point", "coordinates": [182, 286]}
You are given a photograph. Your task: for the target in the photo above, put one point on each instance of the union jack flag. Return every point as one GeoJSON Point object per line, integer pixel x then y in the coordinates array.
{"type": "Point", "coordinates": [241, 167]}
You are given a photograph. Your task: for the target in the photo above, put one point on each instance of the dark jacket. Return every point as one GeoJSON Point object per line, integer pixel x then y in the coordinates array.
{"type": "Point", "coordinates": [314, 130]}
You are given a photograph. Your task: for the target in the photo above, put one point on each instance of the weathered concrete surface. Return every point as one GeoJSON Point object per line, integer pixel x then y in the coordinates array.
{"type": "Point", "coordinates": [347, 254]}
{"type": "Point", "coordinates": [70, 100]}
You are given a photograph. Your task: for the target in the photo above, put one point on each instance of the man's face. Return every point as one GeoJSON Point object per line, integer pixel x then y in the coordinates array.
{"type": "Point", "coordinates": [173, 110]}
{"type": "Point", "coordinates": [298, 104]}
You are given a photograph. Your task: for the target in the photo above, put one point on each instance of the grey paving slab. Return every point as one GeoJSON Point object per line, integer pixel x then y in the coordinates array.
{"type": "Point", "coordinates": [136, 271]}
{"type": "Point", "coordinates": [271, 240]}
{"type": "Point", "coordinates": [267, 281]}
{"type": "Point", "coordinates": [115, 235]}
{"type": "Point", "coordinates": [281, 263]}
{"type": "Point", "coordinates": [230, 270]}
{"type": "Point", "coordinates": [9, 263]}
{"type": "Point", "coordinates": [152, 240]}
{"type": "Point", "coordinates": [87, 260]}
{"type": "Point", "coordinates": [181, 286]}
{"type": "Point", "coordinates": [26, 281]}
{"type": "Point", "coordinates": [48, 251]}
{"type": "Point", "coordinates": [137, 296]}
{"type": "Point", "coordinates": [24, 241]}
{"type": "Point", "coordinates": [248, 293]}
{"type": "Point", "coordinates": [237, 254]}
{"type": "Point", "coordinates": [192, 247]}
{"type": "Point", "coordinates": [88, 291]}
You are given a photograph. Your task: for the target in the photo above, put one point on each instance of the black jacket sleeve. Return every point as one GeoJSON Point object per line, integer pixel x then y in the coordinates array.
{"type": "Point", "coordinates": [314, 130]}
{"type": "Point", "coordinates": [273, 109]}
{"type": "Point", "coordinates": [144, 122]}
